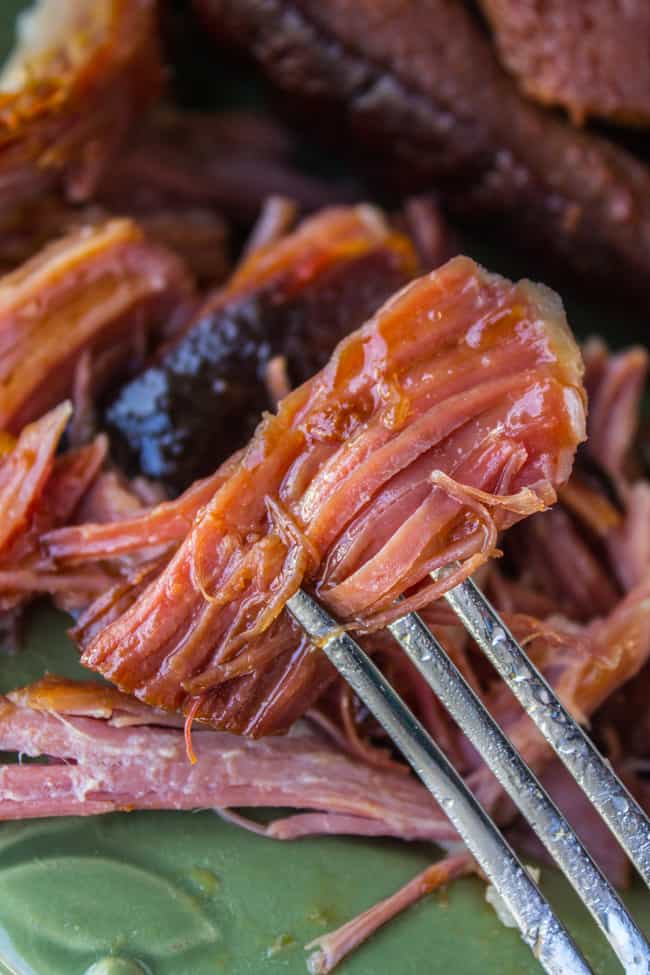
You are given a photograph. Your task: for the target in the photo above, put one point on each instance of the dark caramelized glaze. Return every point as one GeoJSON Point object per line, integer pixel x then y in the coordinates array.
{"type": "Point", "coordinates": [204, 396]}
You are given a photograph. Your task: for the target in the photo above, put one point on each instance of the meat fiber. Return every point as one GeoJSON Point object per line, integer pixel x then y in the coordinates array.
{"type": "Point", "coordinates": [453, 413]}
{"type": "Point", "coordinates": [592, 57]}
{"type": "Point", "coordinates": [81, 73]}
{"type": "Point", "coordinates": [38, 492]}
{"type": "Point", "coordinates": [110, 753]}
{"type": "Point", "coordinates": [295, 298]}
{"type": "Point", "coordinates": [417, 87]}
{"type": "Point", "coordinates": [615, 384]}
{"type": "Point", "coordinates": [329, 949]}
{"type": "Point", "coordinates": [104, 290]}
{"type": "Point", "coordinates": [165, 524]}
{"type": "Point", "coordinates": [595, 544]}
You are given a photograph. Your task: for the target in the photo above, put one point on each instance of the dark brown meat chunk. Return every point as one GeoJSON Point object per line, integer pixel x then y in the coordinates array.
{"type": "Point", "coordinates": [590, 56]}
{"type": "Point", "coordinates": [204, 397]}
{"type": "Point", "coordinates": [418, 85]}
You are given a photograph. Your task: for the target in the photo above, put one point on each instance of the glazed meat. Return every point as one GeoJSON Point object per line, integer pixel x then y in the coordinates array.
{"type": "Point", "coordinates": [80, 74]}
{"type": "Point", "coordinates": [453, 413]}
{"type": "Point", "coordinates": [202, 398]}
{"type": "Point", "coordinates": [100, 292]}
{"type": "Point", "coordinates": [417, 85]}
{"type": "Point", "coordinates": [590, 56]}
{"type": "Point", "coordinates": [40, 490]}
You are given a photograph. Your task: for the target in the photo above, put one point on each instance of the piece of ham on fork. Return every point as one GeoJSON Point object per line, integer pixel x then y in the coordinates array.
{"type": "Point", "coordinates": [454, 412]}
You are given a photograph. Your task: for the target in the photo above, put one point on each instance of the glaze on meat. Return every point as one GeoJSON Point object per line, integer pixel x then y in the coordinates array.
{"type": "Point", "coordinates": [296, 298]}
{"type": "Point", "coordinates": [453, 413]}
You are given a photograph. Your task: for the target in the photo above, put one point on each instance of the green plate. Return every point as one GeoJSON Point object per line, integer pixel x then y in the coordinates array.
{"type": "Point", "coordinates": [187, 894]}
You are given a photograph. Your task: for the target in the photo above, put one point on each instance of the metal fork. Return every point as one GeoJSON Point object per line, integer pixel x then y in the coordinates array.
{"type": "Point", "coordinates": [540, 928]}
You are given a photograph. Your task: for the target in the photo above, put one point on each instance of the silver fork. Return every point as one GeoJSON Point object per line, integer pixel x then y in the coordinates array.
{"type": "Point", "coordinates": [539, 926]}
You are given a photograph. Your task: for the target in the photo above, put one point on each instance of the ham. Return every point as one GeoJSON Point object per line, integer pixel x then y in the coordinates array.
{"type": "Point", "coordinates": [595, 545]}
{"type": "Point", "coordinates": [452, 414]}
{"type": "Point", "coordinates": [109, 753]}
{"type": "Point", "coordinates": [294, 296]}
{"type": "Point", "coordinates": [166, 523]}
{"type": "Point", "coordinates": [329, 949]}
{"type": "Point", "coordinates": [39, 490]}
{"type": "Point", "coordinates": [78, 77]}
{"type": "Point", "coordinates": [615, 384]}
{"type": "Point", "coordinates": [103, 289]}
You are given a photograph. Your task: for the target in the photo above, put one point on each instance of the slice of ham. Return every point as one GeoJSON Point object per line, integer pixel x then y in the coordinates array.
{"type": "Point", "coordinates": [110, 752]}
{"type": "Point", "coordinates": [452, 414]}
{"type": "Point", "coordinates": [103, 288]}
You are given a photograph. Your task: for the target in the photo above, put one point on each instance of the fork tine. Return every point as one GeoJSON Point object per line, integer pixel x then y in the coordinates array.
{"type": "Point", "coordinates": [432, 661]}
{"type": "Point", "coordinates": [540, 928]}
{"type": "Point", "coordinates": [598, 781]}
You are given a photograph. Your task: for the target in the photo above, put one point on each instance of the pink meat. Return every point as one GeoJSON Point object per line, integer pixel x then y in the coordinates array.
{"type": "Point", "coordinates": [450, 415]}
{"type": "Point", "coordinates": [111, 760]}
{"type": "Point", "coordinates": [39, 490]}
{"type": "Point", "coordinates": [329, 949]}
{"type": "Point", "coordinates": [615, 384]}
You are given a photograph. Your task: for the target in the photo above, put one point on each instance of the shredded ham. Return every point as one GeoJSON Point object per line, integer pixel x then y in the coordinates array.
{"type": "Point", "coordinates": [454, 413]}
{"type": "Point", "coordinates": [38, 491]}
{"type": "Point", "coordinates": [166, 523]}
{"type": "Point", "coordinates": [108, 751]}
{"type": "Point", "coordinates": [615, 384]}
{"type": "Point", "coordinates": [329, 949]}
{"type": "Point", "coordinates": [120, 754]}
{"type": "Point", "coordinates": [98, 290]}
{"type": "Point", "coordinates": [336, 491]}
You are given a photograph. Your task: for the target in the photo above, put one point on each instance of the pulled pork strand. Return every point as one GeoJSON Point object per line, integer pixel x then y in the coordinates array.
{"type": "Point", "coordinates": [461, 372]}
{"type": "Point", "coordinates": [329, 949]}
